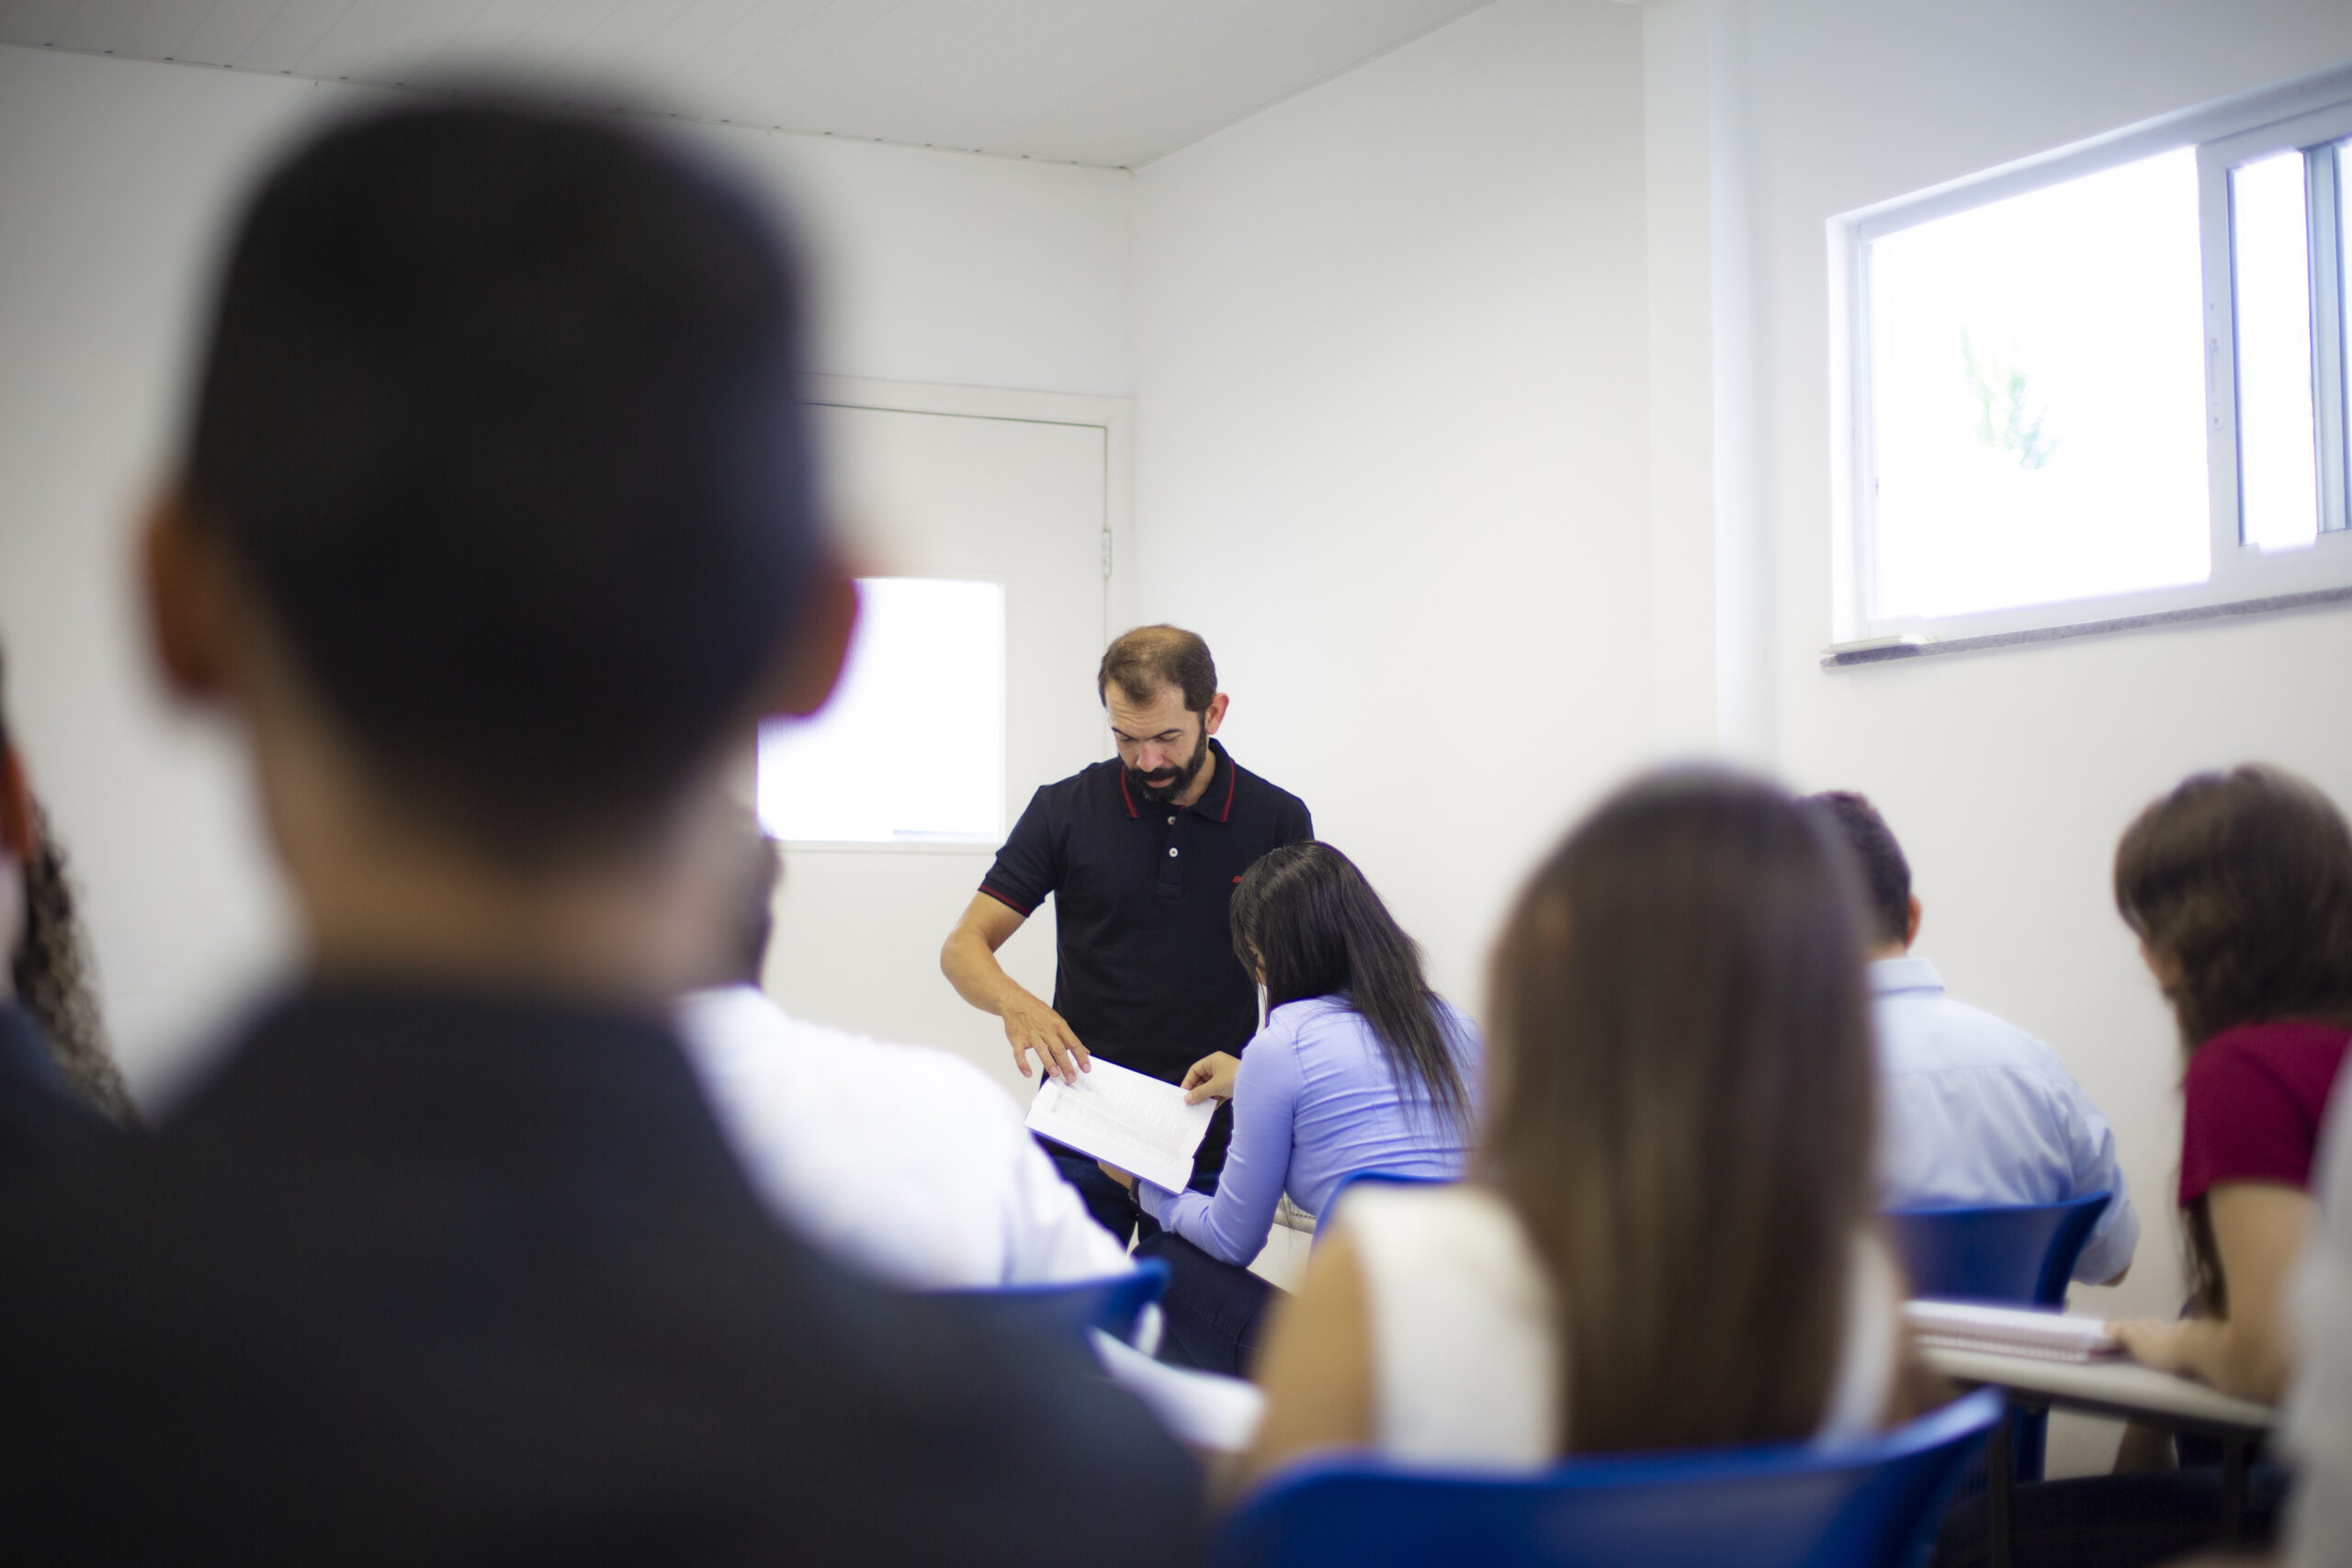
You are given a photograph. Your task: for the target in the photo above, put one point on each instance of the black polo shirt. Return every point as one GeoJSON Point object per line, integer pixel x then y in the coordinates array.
{"type": "Point", "coordinates": [1145, 972]}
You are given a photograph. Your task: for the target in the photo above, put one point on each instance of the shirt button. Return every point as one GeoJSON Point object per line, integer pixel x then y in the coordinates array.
{"type": "Point", "coordinates": [1171, 851]}
{"type": "Point", "coordinates": [1171, 821]}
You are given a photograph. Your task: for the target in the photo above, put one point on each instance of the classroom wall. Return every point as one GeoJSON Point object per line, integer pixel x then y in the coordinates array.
{"type": "Point", "coordinates": [932, 268]}
{"type": "Point", "coordinates": [1390, 381]}
{"type": "Point", "coordinates": [2008, 776]}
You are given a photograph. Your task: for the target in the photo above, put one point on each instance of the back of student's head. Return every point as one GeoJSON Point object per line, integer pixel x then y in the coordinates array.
{"type": "Point", "coordinates": [2241, 886]}
{"type": "Point", "coordinates": [1878, 858]}
{"type": "Point", "coordinates": [1681, 1108]}
{"type": "Point", "coordinates": [1304, 918]}
{"type": "Point", "coordinates": [499, 415]}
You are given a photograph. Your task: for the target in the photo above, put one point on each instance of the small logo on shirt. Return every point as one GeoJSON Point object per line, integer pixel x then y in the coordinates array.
{"type": "Point", "coordinates": [1237, 882]}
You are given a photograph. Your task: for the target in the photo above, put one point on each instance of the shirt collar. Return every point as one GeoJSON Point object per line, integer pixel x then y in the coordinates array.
{"type": "Point", "coordinates": [1217, 804]}
{"type": "Point", "coordinates": [1906, 974]}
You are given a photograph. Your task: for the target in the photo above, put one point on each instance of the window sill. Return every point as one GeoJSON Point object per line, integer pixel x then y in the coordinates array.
{"type": "Point", "coordinates": [1882, 651]}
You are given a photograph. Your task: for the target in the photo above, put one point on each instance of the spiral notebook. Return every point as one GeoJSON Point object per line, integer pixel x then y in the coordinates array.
{"type": "Point", "coordinates": [2009, 1331]}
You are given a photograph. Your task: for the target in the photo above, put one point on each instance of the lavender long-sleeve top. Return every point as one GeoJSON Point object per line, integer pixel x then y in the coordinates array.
{"type": "Point", "coordinates": [1315, 1100]}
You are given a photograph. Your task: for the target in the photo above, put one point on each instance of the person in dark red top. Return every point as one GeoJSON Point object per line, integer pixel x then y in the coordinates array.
{"type": "Point", "coordinates": [2239, 887]}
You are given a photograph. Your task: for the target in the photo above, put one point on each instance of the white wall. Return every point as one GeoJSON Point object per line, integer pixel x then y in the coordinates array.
{"type": "Point", "coordinates": [1390, 362]}
{"type": "Point", "coordinates": [2007, 775]}
{"type": "Point", "coordinates": [932, 267]}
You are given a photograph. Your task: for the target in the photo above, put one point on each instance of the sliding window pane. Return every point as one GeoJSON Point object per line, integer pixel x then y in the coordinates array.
{"type": "Point", "coordinates": [2038, 396]}
{"type": "Point", "coordinates": [2278, 456]}
{"type": "Point", "coordinates": [2342, 153]}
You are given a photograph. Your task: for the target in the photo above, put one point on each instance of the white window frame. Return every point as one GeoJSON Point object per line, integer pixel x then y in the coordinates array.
{"type": "Point", "coordinates": [2311, 113]}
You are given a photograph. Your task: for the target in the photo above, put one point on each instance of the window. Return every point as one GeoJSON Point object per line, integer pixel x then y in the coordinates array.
{"type": "Point", "coordinates": [2107, 385]}
{"type": "Point", "coordinates": [910, 749]}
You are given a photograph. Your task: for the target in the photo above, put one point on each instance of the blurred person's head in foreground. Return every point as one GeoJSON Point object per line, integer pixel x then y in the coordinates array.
{"type": "Point", "coordinates": [44, 954]}
{"type": "Point", "coordinates": [497, 529]}
{"type": "Point", "coordinates": [1681, 1108]}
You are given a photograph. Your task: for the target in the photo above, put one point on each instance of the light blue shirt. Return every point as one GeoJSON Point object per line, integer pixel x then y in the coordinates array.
{"type": "Point", "coordinates": [1975, 1111]}
{"type": "Point", "coordinates": [1314, 1101]}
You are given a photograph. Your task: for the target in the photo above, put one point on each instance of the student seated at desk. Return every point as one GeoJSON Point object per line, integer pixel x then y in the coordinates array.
{"type": "Point", "coordinates": [1973, 1109]}
{"type": "Point", "coordinates": [1361, 1066]}
{"type": "Point", "coordinates": [2239, 887]}
{"type": "Point", "coordinates": [1670, 1244]}
{"type": "Point", "coordinates": [905, 1163]}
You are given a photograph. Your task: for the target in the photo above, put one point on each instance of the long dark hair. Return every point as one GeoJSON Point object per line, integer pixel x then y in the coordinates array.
{"type": "Point", "coordinates": [2241, 883]}
{"type": "Point", "coordinates": [1306, 917]}
{"type": "Point", "coordinates": [1682, 1108]}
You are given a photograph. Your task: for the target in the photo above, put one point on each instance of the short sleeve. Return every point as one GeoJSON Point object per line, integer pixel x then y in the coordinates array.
{"type": "Point", "coordinates": [2240, 1123]}
{"type": "Point", "coordinates": [1298, 823]}
{"type": "Point", "coordinates": [1030, 865]}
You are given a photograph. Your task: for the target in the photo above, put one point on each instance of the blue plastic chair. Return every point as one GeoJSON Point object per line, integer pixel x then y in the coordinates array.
{"type": "Point", "coordinates": [1332, 1205]}
{"type": "Point", "coordinates": [1114, 1305]}
{"type": "Point", "coordinates": [1869, 1505]}
{"type": "Point", "coordinates": [2021, 1255]}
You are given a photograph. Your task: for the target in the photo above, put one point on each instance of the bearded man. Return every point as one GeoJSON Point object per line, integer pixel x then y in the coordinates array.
{"type": "Point", "coordinates": [1141, 854]}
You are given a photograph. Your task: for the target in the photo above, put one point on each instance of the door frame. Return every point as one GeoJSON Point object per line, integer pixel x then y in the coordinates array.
{"type": "Point", "coordinates": [1114, 417]}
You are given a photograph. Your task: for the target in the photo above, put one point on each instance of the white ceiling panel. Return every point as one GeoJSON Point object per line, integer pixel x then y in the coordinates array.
{"type": "Point", "coordinates": [1116, 83]}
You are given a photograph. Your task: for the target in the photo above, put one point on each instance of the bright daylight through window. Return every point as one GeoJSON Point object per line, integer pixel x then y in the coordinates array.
{"type": "Point", "coordinates": [2039, 396]}
{"type": "Point", "coordinates": [910, 749]}
{"type": "Point", "coordinates": [2045, 432]}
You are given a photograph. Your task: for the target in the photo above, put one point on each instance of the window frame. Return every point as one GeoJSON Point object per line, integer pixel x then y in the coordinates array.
{"type": "Point", "coordinates": [2313, 112]}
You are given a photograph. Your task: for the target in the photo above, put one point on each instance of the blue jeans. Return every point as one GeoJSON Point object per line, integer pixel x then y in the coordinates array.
{"type": "Point", "coordinates": [1215, 1311]}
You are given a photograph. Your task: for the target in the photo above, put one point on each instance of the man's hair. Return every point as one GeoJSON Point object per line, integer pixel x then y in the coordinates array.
{"type": "Point", "coordinates": [1885, 873]}
{"type": "Point", "coordinates": [500, 411]}
{"type": "Point", "coordinates": [1145, 660]}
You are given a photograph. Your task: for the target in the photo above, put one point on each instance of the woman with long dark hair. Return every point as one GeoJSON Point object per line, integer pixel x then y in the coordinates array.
{"type": "Point", "coordinates": [1359, 1067]}
{"type": "Point", "coordinates": [1668, 1243]}
{"type": "Point", "coordinates": [2239, 887]}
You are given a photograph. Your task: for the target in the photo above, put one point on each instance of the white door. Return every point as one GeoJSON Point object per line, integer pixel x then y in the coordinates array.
{"type": "Point", "coordinates": [1017, 501]}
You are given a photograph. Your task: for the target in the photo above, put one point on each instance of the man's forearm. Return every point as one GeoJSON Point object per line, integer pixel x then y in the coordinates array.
{"type": "Point", "coordinates": [973, 970]}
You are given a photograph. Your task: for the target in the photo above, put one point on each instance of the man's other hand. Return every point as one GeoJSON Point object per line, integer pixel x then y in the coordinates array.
{"type": "Point", "coordinates": [1031, 1025]}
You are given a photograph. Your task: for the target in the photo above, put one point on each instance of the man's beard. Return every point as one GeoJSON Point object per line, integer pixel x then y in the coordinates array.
{"type": "Point", "coordinates": [1160, 795]}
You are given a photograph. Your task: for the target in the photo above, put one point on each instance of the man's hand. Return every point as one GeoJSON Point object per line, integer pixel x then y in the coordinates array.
{"type": "Point", "coordinates": [1031, 1025]}
{"type": "Point", "coordinates": [1211, 1078]}
{"type": "Point", "coordinates": [1123, 1178]}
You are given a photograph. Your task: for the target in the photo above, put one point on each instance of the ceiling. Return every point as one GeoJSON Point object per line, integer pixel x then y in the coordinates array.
{"type": "Point", "coordinates": [1115, 83]}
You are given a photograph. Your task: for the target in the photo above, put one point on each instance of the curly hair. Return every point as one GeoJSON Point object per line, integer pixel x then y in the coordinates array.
{"type": "Point", "coordinates": [2242, 881]}
{"type": "Point", "coordinates": [53, 978]}
{"type": "Point", "coordinates": [2240, 884]}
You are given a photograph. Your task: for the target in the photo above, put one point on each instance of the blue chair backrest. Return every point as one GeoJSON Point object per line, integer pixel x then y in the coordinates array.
{"type": "Point", "coordinates": [1390, 1178]}
{"type": "Point", "coordinates": [2022, 1254]}
{"type": "Point", "coordinates": [1067, 1311]}
{"type": "Point", "coordinates": [1867, 1504]}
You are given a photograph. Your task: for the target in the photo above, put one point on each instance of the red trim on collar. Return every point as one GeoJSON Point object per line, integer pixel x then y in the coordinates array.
{"type": "Point", "coordinates": [1232, 778]}
{"type": "Point", "coordinates": [1122, 792]}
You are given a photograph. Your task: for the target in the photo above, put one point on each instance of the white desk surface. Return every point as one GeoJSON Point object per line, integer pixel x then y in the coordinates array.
{"type": "Point", "coordinates": [2116, 1386]}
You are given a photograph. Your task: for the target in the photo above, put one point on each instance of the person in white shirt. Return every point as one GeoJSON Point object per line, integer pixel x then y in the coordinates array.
{"type": "Point", "coordinates": [1972, 1109]}
{"type": "Point", "coordinates": [902, 1162]}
